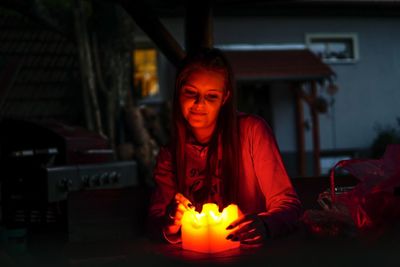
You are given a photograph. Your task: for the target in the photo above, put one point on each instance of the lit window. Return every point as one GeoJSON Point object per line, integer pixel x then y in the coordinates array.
{"type": "Point", "coordinates": [145, 76]}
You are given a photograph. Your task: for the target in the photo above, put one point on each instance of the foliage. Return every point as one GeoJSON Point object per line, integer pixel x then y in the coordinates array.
{"type": "Point", "coordinates": [8, 12]}
{"type": "Point", "coordinates": [385, 135]}
{"type": "Point", "coordinates": [64, 4]}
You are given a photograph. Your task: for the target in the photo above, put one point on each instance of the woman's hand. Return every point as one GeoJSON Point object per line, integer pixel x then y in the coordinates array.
{"type": "Point", "coordinates": [251, 229]}
{"type": "Point", "coordinates": [174, 213]}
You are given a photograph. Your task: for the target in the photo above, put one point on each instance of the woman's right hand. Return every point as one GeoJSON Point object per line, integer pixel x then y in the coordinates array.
{"type": "Point", "coordinates": [174, 213]}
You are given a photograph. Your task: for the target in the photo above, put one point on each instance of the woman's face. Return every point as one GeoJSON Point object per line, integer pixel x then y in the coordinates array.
{"type": "Point", "coordinates": [201, 99]}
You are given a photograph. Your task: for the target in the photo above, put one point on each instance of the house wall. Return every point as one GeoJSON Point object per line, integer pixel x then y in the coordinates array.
{"type": "Point", "coordinates": [369, 90]}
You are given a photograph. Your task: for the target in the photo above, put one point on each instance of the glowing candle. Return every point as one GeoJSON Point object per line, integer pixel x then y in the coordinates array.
{"type": "Point", "coordinates": [206, 231]}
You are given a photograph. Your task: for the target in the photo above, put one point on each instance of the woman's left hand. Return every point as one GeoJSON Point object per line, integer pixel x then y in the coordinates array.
{"type": "Point", "coordinates": [251, 229]}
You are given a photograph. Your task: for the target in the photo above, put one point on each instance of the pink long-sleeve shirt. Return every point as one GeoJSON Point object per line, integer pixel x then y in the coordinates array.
{"type": "Point", "coordinates": [265, 187]}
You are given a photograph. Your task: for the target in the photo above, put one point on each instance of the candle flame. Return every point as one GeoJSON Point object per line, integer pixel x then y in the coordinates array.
{"type": "Point", "coordinates": [208, 215]}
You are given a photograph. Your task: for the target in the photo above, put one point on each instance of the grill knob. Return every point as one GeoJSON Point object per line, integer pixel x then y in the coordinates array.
{"type": "Point", "coordinates": [105, 178]}
{"type": "Point", "coordinates": [95, 180]}
{"type": "Point", "coordinates": [114, 177]}
{"type": "Point", "coordinates": [85, 181]}
{"type": "Point", "coordinates": [65, 184]}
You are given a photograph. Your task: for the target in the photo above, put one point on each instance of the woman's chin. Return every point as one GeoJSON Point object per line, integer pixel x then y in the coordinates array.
{"type": "Point", "coordinates": [197, 124]}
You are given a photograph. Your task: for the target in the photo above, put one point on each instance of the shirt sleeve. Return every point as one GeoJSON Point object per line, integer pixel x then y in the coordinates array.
{"type": "Point", "coordinates": [164, 191]}
{"type": "Point", "coordinates": [283, 207]}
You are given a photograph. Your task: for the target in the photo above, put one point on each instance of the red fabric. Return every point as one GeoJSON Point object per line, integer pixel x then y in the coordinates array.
{"type": "Point", "coordinates": [265, 188]}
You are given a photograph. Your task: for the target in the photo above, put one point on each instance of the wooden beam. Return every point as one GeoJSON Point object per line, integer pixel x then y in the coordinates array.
{"type": "Point", "coordinates": [307, 98]}
{"type": "Point", "coordinates": [301, 151]}
{"type": "Point", "coordinates": [146, 19]}
{"type": "Point", "coordinates": [198, 25]}
{"type": "Point", "coordinates": [38, 12]}
{"type": "Point", "coordinates": [315, 131]}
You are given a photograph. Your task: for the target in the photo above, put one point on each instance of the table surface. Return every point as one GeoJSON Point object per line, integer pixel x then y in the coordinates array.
{"type": "Point", "coordinates": [298, 249]}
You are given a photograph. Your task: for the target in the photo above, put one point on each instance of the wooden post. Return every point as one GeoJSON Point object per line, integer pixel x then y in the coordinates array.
{"type": "Point", "coordinates": [92, 115]}
{"type": "Point", "coordinates": [198, 25]}
{"type": "Point", "coordinates": [315, 131]}
{"type": "Point", "coordinates": [301, 160]}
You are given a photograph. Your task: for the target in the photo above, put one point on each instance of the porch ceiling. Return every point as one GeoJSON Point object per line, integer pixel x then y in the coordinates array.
{"type": "Point", "coordinates": [296, 65]}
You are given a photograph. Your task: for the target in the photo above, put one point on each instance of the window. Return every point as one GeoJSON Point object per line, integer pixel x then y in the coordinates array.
{"type": "Point", "coordinates": [334, 47]}
{"type": "Point", "coordinates": [329, 158]}
{"type": "Point", "coordinates": [145, 73]}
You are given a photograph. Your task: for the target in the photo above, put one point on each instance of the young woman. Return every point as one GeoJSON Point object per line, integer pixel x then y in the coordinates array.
{"type": "Point", "coordinates": [219, 155]}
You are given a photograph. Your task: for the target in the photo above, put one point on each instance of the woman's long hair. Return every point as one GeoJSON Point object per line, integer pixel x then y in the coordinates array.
{"type": "Point", "coordinates": [226, 131]}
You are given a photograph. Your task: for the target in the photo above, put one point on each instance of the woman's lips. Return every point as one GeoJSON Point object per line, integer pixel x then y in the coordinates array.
{"type": "Point", "coordinates": [196, 113]}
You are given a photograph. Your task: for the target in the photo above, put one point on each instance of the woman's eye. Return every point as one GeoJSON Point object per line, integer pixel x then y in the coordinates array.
{"type": "Point", "coordinates": [212, 97]}
{"type": "Point", "coordinates": [189, 93]}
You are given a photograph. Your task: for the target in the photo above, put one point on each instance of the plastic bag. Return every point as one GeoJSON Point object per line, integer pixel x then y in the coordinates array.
{"type": "Point", "coordinates": [373, 203]}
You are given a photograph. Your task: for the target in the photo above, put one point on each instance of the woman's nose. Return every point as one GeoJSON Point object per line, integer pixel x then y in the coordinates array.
{"type": "Point", "coordinates": [200, 100]}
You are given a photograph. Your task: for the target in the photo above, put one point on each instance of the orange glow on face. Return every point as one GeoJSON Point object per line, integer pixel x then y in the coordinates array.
{"type": "Point", "coordinates": [201, 98]}
{"type": "Point", "coordinates": [206, 231]}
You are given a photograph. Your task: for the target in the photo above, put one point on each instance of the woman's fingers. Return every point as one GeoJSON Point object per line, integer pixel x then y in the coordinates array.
{"type": "Point", "coordinates": [245, 227]}
{"type": "Point", "coordinates": [174, 213]}
{"type": "Point", "coordinates": [248, 235]}
{"type": "Point", "coordinates": [251, 235]}
{"type": "Point", "coordinates": [180, 209]}
{"type": "Point", "coordinates": [251, 229]}
{"type": "Point", "coordinates": [185, 202]}
{"type": "Point", "coordinates": [178, 204]}
{"type": "Point", "coordinates": [254, 241]}
{"type": "Point", "coordinates": [239, 221]}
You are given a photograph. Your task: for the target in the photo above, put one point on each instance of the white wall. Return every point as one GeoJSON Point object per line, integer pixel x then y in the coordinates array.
{"type": "Point", "coordinates": [369, 90]}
